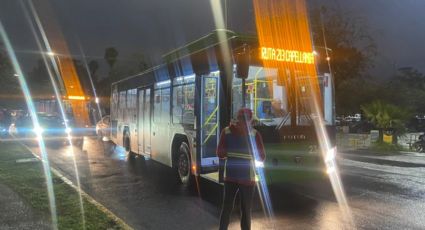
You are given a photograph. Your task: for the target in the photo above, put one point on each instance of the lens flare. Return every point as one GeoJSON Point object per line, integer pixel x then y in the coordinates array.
{"type": "Point", "coordinates": [261, 182]}
{"type": "Point", "coordinates": [56, 89]}
{"type": "Point", "coordinates": [91, 81]}
{"type": "Point", "coordinates": [217, 11]}
{"type": "Point", "coordinates": [284, 25]}
{"type": "Point", "coordinates": [32, 111]}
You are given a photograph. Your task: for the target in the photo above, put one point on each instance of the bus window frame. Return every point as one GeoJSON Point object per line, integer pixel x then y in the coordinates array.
{"type": "Point", "coordinates": [183, 84]}
{"type": "Point", "coordinates": [160, 86]}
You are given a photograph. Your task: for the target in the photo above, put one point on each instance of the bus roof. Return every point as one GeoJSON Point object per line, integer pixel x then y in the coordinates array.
{"type": "Point", "coordinates": [205, 42]}
{"type": "Point", "coordinates": [210, 40]}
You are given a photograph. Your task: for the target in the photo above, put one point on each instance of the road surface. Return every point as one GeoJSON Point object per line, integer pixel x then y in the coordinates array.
{"type": "Point", "coordinates": [146, 195]}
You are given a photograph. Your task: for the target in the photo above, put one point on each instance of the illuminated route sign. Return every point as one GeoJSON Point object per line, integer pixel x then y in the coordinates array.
{"type": "Point", "coordinates": [282, 55]}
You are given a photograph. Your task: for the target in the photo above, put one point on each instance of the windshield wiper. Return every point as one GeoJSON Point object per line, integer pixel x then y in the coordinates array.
{"type": "Point", "coordinates": [284, 120]}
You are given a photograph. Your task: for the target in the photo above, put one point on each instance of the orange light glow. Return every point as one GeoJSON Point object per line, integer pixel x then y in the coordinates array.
{"type": "Point", "coordinates": [284, 24]}
{"type": "Point", "coordinates": [194, 168]}
{"type": "Point", "coordinates": [287, 55]}
{"type": "Point", "coordinates": [76, 98]}
{"type": "Point", "coordinates": [60, 54]}
{"type": "Point", "coordinates": [285, 43]}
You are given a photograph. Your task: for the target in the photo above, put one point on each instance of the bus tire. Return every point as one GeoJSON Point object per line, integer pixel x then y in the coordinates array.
{"type": "Point", "coordinates": [127, 146]}
{"type": "Point", "coordinates": [183, 164]}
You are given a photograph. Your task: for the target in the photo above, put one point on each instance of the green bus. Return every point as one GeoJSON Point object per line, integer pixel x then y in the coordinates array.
{"type": "Point", "coordinates": [173, 113]}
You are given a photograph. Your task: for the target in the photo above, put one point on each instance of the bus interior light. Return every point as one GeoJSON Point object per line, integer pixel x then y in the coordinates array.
{"type": "Point", "coordinates": [163, 83]}
{"type": "Point", "coordinates": [189, 77]}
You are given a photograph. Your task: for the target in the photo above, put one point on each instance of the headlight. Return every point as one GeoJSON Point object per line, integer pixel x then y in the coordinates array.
{"type": "Point", "coordinates": [330, 155]}
{"type": "Point", "coordinates": [38, 130]}
{"type": "Point", "coordinates": [330, 160]}
{"type": "Point", "coordinates": [259, 164]}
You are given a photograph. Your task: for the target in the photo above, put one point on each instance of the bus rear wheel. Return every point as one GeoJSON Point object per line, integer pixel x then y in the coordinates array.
{"type": "Point", "coordinates": [127, 145]}
{"type": "Point", "coordinates": [183, 164]}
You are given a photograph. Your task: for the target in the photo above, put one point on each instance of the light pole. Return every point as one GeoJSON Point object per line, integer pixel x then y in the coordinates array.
{"type": "Point", "coordinates": [328, 59]}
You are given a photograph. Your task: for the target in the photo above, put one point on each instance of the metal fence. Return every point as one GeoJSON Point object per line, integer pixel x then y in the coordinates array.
{"type": "Point", "coordinates": [352, 141]}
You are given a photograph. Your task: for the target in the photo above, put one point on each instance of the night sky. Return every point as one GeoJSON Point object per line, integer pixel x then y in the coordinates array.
{"type": "Point", "coordinates": [155, 27]}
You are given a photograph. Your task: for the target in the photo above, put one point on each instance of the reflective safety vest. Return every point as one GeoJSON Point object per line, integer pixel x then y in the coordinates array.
{"type": "Point", "coordinates": [239, 166]}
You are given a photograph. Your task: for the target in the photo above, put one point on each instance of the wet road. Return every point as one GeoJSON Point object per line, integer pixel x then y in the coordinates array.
{"type": "Point", "coordinates": [146, 195]}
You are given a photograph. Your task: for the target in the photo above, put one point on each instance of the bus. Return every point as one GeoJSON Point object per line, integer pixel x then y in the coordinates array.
{"type": "Point", "coordinates": [173, 113]}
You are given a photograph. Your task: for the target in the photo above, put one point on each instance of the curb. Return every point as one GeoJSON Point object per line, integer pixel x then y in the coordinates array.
{"type": "Point", "coordinates": [382, 161]}
{"type": "Point", "coordinates": [90, 199]}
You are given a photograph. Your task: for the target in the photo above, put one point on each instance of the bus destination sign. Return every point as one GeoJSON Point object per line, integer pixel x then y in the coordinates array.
{"type": "Point", "coordinates": [283, 55]}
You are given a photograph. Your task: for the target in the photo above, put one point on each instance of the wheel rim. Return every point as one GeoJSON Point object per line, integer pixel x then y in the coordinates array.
{"type": "Point", "coordinates": [183, 166]}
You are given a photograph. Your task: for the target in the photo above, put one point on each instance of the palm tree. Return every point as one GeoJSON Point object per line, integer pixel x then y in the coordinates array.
{"type": "Point", "coordinates": [386, 118]}
{"type": "Point", "coordinates": [111, 55]}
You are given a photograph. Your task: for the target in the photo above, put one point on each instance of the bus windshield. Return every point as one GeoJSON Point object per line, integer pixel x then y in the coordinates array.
{"type": "Point", "coordinates": [264, 96]}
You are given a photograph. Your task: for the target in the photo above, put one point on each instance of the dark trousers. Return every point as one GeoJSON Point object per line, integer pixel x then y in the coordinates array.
{"type": "Point", "coordinates": [246, 193]}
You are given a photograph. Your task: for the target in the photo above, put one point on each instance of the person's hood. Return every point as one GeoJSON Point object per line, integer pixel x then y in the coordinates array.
{"type": "Point", "coordinates": [238, 128]}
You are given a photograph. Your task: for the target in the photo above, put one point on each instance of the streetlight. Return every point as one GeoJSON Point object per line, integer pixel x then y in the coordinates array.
{"type": "Point", "coordinates": [325, 48]}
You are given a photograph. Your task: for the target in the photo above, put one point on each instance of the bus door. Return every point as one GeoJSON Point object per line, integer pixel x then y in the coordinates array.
{"type": "Point", "coordinates": [144, 121]}
{"type": "Point", "coordinates": [209, 121]}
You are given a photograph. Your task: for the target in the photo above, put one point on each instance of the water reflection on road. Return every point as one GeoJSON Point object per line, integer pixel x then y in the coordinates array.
{"type": "Point", "coordinates": [147, 195]}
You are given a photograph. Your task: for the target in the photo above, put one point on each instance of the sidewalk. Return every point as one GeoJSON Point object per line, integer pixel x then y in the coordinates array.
{"type": "Point", "coordinates": [15, 213]}
{"type": "Point", "coordinates": [401, 159]}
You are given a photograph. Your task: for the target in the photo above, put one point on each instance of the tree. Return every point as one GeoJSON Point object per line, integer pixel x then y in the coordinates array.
{"type": "Point", "coordinates": [119, 68]}
{"type": "Point", "coordinates": [93, 67]}
{"type": "Point", "coordinates": [353, 93]}
{"type": "Point", "coordinates": [10, 91]}
{"type": "Point", "coordinates": [111, 55]}
{"type": "Point", "coordinates": [140, 62]}
{"type": "Point", "coordinates": [386, 118]}
{"type": "Point", "coordinates": [352, 48]}
{"type": "Point", "coordinates": [407, 88]}
{"type": "Point", "coordinates": [8, 81]}
{"type": "Point", "coordinates": [39, 81]}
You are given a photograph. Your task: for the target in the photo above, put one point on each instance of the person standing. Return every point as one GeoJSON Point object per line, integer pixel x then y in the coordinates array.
{"type": "Point", "coordinates": [240, 145]}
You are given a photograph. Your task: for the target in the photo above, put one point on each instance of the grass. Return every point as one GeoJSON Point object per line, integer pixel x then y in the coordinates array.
{"type": "Point", "coordinates": [27, 179]}
{"type": "Point", "coordinates": [386, 148]}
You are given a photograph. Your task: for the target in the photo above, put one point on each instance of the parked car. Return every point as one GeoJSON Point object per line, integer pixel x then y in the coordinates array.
{"type": "Point", "coordinates": [103, 128]}
{"type": "Point", "coordinates": [52, 128]}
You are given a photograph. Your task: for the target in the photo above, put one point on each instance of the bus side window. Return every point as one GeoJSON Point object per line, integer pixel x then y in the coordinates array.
{"type": "Point", "coordinates": [178, 104]}
{"type": "Point", "coordinates": [165, 105]}
{"type": "Point", "coordinates": [189, 104]}
{"type": "Point", "coordinates": [122, 105]}
{"type": "Point", "coordinates": [157, 106]}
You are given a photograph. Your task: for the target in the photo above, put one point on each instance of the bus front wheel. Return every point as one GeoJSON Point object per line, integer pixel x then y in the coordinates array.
{"type": "Point", "coordinates": [183, 164]}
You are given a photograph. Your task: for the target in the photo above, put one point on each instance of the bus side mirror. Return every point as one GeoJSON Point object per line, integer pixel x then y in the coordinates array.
{"type": "Point", "coordinates": [242, 65]}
